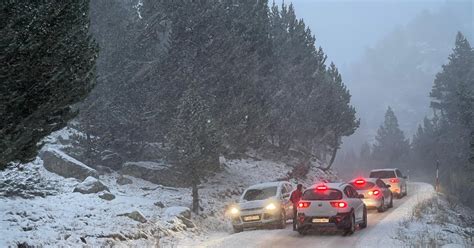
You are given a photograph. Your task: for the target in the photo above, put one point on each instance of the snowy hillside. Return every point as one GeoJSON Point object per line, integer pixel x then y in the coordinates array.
{"type": "Point", "coordinates": [41, 208]}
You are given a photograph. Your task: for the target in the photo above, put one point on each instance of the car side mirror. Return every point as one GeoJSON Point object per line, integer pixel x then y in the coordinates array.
{"type": "Point", "coordinates": [388, 185]}
{"type": "Point", "coordinates": [361, 196]}
{"type": "Point", "coordinates": [405, 177]}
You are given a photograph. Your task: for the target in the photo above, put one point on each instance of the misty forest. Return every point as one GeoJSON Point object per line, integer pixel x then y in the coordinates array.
{"type": "Point", "coordinates": [139, 123]}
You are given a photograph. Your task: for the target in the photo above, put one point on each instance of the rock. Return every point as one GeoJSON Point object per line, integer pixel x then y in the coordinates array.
{"type": "Point", "coordinates": [111, 160]}
{"type": "Point", "coordinates": [159, 204]}
{"type": "Point", "coordinates": [124, 180]}
{"type": "Point", "coordinates": [64, 165]}
{"type": "Point", "coordinates": [178, 211]}
{"type": "Point", "coordinates": [90, 185]}
{"type": "Point", "coordinates": [187, 222]}
{"type": "Point", "coordinates": [103, 169]}
{"type": "Point", "coordinates": [107, 196]}
{"type": "Point", "coordinates": [135, 215]}
{"type": "Point", "coordinates": [154, 172]}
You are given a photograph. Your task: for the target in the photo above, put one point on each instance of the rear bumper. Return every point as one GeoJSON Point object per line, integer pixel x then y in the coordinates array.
{"type": "Point", "coordinates": [339, 221]}
{"type": "Point", "coordinates": [372, 202]}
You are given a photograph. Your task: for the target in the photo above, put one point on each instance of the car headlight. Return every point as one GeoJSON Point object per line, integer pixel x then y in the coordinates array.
{"type": "Point", "coordinates": [270, 206]}
{"type": "Point", "coordinates": [234, 210]}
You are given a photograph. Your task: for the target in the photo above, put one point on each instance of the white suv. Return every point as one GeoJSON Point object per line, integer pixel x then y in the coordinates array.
{"type": "Point", "coordinates": [263, 205]}
{"type": "Point", "coordinates": [394, 178]}
{"type": "Point", "coordinates": [331, 205]}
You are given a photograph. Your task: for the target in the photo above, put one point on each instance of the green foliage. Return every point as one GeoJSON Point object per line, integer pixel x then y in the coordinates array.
{"type": "Point", "coordinates": [391, 148]}
{"type": "Point", "coordinates": [447, 138]}
{"type": "Point", "coordinates": [47, 65]}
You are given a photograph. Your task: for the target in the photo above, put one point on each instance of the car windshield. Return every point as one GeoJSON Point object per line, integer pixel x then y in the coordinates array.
{"type": "Point", "coordinates": [260, 194]}
{"type": "Point", "coordinates": [382, 174]}
{"type": "Point", "coordinates": [328, 194]}
{"type": "Point", "coordinates": [363, 186]}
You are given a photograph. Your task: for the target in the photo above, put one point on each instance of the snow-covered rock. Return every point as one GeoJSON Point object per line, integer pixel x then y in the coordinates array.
{"type": "Point", "coordinates": [121, 180]}
{"type": "Point", "coordinates": [178, 211]}
{"type": "Point", "coordinates": [64, 165]}
{"type": "Point", "coordinates": [90, 185]}
{"type": "Point", "coordinates": [153, 172]}
{"type": "Point", "coordinates": [107, 196]}
{"type": "Point", "coordinates": [112, 160]}
{"type": "Point", "coordinates": [135, 215]}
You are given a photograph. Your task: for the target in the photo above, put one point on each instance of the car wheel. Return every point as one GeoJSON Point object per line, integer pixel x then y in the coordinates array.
{"type": "Point", "coordinates": [301, 231]}
{"type": "Point", "coordinates": [364, 218]}
{"type": "Point", "coordinates": [282, 221]}
{"type": "Point", "coordinates": [237, 229]}
{"type": "Point", "coordinates": [351, 229]}
{"type": "Point", "coordinates": [382, 206]}
{"type": "Point", "coordinates": [390, 205]}
{"type": "Point", "coordinates": [406, 191]}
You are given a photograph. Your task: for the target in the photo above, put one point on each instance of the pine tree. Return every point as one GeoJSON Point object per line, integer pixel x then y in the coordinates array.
{"type": "Point", "coordinates": [194, 140]}
{"type": "Point", "coordinates": [391, 147]}
{"type": "Point", "coordinates": [47, 66]}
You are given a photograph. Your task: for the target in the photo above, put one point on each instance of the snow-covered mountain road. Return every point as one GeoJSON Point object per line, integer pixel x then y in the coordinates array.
{"type": "Point", "coordinates": [379, 233]}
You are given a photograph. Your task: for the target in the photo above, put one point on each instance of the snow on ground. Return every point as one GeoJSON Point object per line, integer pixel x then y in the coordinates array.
{"type": "Point", "coordinates": [39, 207]}
{"type": "Point", "coordinates": [438, 221]}
{"type": "Point", "coordinates": [383, 235]}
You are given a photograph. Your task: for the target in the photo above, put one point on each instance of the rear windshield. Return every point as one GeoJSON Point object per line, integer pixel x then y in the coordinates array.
{"type": "Point", "coordinates": [382, 174]}
{"type": "Point", "coordinates": [260, 194]}
{"type": "Point", "coordinates": [328, 194]}
{"type": "Point", "coordinates": [364, 186]}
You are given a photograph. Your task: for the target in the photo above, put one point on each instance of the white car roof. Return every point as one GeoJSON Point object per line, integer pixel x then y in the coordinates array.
{"type": "Point", "coordinates": [388, 169]}
{"type": "Point", "coordinates": [265, 185]}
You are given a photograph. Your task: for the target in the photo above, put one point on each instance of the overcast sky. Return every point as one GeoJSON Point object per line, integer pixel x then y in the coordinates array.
{"type": "Point", "coordinates": [344, 28]}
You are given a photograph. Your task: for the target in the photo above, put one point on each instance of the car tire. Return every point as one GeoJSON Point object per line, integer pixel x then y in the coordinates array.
{"type": "Point", "coordinates": [282, 221]}
{"type": "Point", "coordinates": [406, 191]}
{"type": "Point", "coordinates": [390, 205]}
{"type": "Point", "coordinates": [364, 219]}
{"type": "Point", "coordinates": [351, 228]}
{"type": "Point", "coordinates": [382, 208]}
{"type": "Point", "coordinates": [237, 229]}
{"type": "Point", "coordinates": [301, 231]}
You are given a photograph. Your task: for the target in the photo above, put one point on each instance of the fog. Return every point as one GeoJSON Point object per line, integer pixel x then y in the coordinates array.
{"type": "Point", "coordinates": [388, 53]}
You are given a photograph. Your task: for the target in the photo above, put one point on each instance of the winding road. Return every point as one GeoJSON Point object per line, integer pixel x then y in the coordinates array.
{"type": "Point", "coordinates": [379, 232]}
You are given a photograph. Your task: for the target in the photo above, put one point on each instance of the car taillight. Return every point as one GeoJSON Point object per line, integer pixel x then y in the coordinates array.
{"type": "Point", "coordinates": [339, 204]}
{"type": "Point", "coordinates": [304, 204]}
{"type": "Point", "coordinates": [394, 180]}
{"type": "Point", "coordinates": [360, 181]}
{"type": "Point", "coordinates": [374, 192]}
{"type": "Point", "coordinates": [322, 187]}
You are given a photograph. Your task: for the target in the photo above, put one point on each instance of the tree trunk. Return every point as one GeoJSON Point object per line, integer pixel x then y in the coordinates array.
{"type": "Point", "coordinates": [334, 152]}
{"type": "Point", "coordinates": [195, 194]}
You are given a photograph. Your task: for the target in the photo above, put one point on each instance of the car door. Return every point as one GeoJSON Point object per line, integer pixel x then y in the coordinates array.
{"type": "Point", "coordinates": [285, 199]}
{"type": "Point", "coordinates": [385, 190]}
{"type": "Point", "coordinates": [355, 202]}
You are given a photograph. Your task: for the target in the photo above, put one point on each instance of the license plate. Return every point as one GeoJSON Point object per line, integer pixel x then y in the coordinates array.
{"type": "Point", "coordinates": [320, 220]}
{"type": "Point", "coordinates": [252, 218]}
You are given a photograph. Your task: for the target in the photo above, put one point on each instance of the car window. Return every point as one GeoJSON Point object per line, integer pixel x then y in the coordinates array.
{"type": "Point", "coordinates": [327, 194]}
{"type": "Point", "coordinates": [382, 174]}
{"type": "Point", "coordinates": [364, 186]}
{"type": "Point", "coordinates": [283, 189]}
{"type": "Point", "coordinates": [353, 193]}
{"type": "Point", "coordinates": [348, 192]}
{"type": "Point", "coordinates": [381, 184]}
{"type": "Point", "coordinates": [289, 188]}
{"type": "Point", "coordinates": [260, 194]}
{"type": "Point", "coordinates": [399, 173]}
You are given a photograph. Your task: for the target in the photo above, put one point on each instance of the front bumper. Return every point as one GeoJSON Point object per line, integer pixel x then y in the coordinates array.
{"type": "Point", "coordinates": [266, 218]}
{"type": "Point", "coordinates": [339, 221]}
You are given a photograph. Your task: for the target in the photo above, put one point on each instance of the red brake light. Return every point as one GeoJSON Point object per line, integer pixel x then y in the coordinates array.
{"type": "Point", "coordinates": [360, 181]}
{"type": "Point", "coordinates": [304, 204]}
{"type": "Point", "coordinates": [339, 204]}
{"type": "Point", "coordinates": [394, 180]}
{"type": "Point", "coordinates": [322, 187]}
{"type": "Point", "coordinates": [375, 192]}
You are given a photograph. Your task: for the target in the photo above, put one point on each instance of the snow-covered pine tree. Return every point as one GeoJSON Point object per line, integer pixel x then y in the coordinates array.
{"type": "Point", "coordinates": [193, 139]}
{"type": "Point", "coordinates": [47, 66]}
{"type": "Point", "coordinates": [391, 147]}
